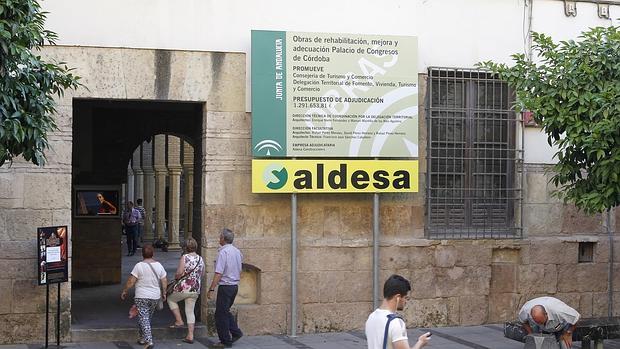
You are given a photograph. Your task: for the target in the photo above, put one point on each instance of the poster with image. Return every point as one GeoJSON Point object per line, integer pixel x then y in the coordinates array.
{"type": "Point", "coordinates": [52, 251]}
{"type": "Point", "coordinates": [334, 95]}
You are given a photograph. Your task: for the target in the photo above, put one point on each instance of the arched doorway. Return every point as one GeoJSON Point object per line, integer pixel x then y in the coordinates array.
{"type": "Point", "coordinates": [114, 142]}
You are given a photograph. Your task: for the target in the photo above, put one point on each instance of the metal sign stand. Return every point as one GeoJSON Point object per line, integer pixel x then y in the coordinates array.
{"type": "Point", "coordinates": [47, 316]}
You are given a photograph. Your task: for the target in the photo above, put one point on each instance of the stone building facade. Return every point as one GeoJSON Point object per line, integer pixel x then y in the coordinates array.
{"type": "Point", "coordinates": [455, 282]}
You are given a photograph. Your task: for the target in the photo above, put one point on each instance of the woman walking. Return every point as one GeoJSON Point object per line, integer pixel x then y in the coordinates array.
{"type": "Point", "coordinates": [189, 275]}
{"type": "Point", "coordinates": [146, 276]}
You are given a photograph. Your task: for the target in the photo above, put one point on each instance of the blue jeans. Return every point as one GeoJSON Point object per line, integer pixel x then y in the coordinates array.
{"type": "Point", "coordinates": [225, 322]}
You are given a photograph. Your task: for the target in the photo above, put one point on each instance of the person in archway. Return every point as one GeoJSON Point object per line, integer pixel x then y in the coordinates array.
{"type": "Point", "coordinates": [131, 217]}
{"type": "Point", "coordinates": [146, 276]}
{"type": "Point", "coordinates": [187, 288]}
{"type": "Point", "coordinates": [105, 207]}
{"type": "Point", "coordinates": [142, 211]}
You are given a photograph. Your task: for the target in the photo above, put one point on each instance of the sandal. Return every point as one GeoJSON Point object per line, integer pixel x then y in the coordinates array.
{"type": "Point", "coordinates": [174, 325]}
{"type": "Point", "coordinates": [190, 341]}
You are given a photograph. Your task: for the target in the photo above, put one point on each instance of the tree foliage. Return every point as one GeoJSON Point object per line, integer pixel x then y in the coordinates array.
{"type": "Point", "coordinates": [573, 89]}
{"type": "Point", "coordinates": [28, 84]}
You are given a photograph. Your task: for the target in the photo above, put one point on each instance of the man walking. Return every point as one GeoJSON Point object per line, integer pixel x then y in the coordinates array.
{"type": "Point", "coordinates": [131, 216]}
{"type": "Point", "coordinates": [551, 316]}
{"type": "Point", "coordinates": [384, 328]}
{"type": "Point", "coordinates": [227, 275]}
{"type": "Point", "coordinates": [140, 222]}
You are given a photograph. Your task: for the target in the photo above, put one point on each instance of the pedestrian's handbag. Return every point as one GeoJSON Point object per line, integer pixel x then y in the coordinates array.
{"type": "Point", "coordinates": [172, 284]}
{"type": "Point", "coordinates": [160, 303]}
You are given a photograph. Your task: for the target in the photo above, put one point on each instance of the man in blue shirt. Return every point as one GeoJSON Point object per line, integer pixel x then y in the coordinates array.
{"type": "Point", "coordinates": [227, 275]}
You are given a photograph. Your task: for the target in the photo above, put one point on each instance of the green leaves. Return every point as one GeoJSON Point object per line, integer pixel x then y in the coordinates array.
{"type": "Point", "coordinates": [573, 89]}
{"type": "Point", "coordinates": [27, 83]}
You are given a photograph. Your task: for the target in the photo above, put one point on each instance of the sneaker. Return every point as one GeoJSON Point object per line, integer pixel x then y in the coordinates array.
{"type": "Point", "coordinates": [141, 341]}
{"type": "Point", "coordinates": [236, 338]}
{"type": "Point", "coordinates": [220, 345]}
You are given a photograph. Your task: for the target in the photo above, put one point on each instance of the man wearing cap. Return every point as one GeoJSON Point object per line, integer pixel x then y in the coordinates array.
{"type": "Point", "coordinates": [226, 278]}
{"type": "Point", "coordinates": [550, 316]}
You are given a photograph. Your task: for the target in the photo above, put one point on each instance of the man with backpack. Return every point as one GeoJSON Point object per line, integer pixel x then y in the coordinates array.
{"type": "Point", "coordinates": [384, 328]}
{"type": "Point", "coordinates": [140, 222]}
{"type": "Point", "coordinates": [131, 217]}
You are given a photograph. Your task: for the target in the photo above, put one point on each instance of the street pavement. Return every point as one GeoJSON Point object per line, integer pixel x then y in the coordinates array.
{"type": "Point", "coordinates": [476, 337]}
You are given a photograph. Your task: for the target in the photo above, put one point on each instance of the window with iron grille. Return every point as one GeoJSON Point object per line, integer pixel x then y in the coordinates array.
{"type": "Point", "coordinates": [473, 189]}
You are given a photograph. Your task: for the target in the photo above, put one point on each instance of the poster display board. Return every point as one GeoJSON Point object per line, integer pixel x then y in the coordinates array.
{"type": "Point", "coordinates": [334, 176]}
{"type": "Point", "coordinates": [334, 95]}
{"type": "Point", "coordinates": [52, 252]}
{"type": "Point", "coordinates": [96, 202]}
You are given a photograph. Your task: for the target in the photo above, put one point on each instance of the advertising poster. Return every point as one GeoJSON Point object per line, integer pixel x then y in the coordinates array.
{"type": "Point", "coordinates": [52, 251]}
{"type": "Point", "coordinates": [96, 203]}
{"type": "Point", "coordinates": [334, 95]}
{"type": "Point", "coordinates": [334, 176]}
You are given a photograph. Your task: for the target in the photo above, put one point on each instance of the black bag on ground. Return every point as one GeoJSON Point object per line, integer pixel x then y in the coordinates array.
{"type": "Point", "coordinates": [514, 330]}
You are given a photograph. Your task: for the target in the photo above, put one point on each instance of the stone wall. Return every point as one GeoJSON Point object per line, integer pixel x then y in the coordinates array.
{"type": "Point", "coordinates": [32, 197]}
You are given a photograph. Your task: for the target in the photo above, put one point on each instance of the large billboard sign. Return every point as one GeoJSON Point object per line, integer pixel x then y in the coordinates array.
{"type": "Point", "coordinates": [334, 176]}
{"type": "Point", "coordinates": [334, 95]}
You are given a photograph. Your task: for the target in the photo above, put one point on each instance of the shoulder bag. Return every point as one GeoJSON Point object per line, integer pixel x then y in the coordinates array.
{"type": "Point", "coordinates": [172, 284]}
{"type": "Point", "coordinates": [160, 303]}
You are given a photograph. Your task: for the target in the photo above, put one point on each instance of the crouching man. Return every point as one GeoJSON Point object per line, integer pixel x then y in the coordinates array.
{"type": "Point", "coordinates": [548, 315]}
{"type": "Point", "coordinates": [384, 328]}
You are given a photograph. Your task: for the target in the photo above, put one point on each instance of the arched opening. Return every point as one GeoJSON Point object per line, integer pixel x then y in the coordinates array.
{"type": "Point", "coordinates": [130, 150]}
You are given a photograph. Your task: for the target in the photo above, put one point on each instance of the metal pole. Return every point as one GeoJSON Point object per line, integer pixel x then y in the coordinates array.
{"type": "Point", "coordinates": [58, 317]}
{"type": "Point", "coordinates": [610, 275]}
{"type": "Point", "coordinates": [375, 251]}
{"type": "Point", "coordinates": [293, 265]}
{"type": "Point", "coordinates": [47, 313]}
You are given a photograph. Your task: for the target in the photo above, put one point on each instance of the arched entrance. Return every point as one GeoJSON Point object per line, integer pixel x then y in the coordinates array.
{"type": "Point", "coordinates": [114, 141]}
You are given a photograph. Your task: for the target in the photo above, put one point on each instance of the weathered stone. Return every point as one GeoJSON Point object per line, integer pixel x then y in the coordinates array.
{"type": "Point", "coordinates": [11, 190]}
{"type": "Point", "coordinates": [503, 307]}
{"type": "Point", "coordinates": [586, 305]}
{"type": "Point", "coordinates": [344, 286]}
{"type": "Point", "coordinates": [600, 304]}
{"type": "Point", "coordinates": [17, 249]}
{"type": "Point", "coordinates": [394, 257]}
{"type": "Point", "coordinates": [552, 251]}
{"type": "Point", "coordinates": [6, 302]}
{"type": "Point", "coordinates": [542, 219]}
{"type": "Point", "coordinates": [577, 222]}
{"type": "Point", "coordinates": [503, 278]}
{"type": "Point", "coordinates": [325, 259]}
{"type": "Point", "coordinates": [445, 256]}
{"type": "Point", "coordinates": [307, 287]}
{"type": "Point", "coordinates": [28, 297]}
{"type": "Point", "coordinates": [15, 327]}
{"type": "Point", "coordinates": [537, 188]}
{"type": "Point", "coordinates": [423, 283]}
{"type": "Point", "coordinates": [537, 278]}
{"type": "Point", "coordinates": [459, 281]}
{"type": "Point", "coordinates": [506, 255]}
{"type": "Point", "coordinates": [432, 312]}
{"type": "Point", "coordinates": [329, 317]}
{"type": "Point", "coordinates": [473, 310]}
{"type": "Point", "coordinates": [19, 269]}
{"type": "Point", "coordinates": [396, 221]}
{"type": "Point", "coordinates": [582, 277]}
{"type": "Point", "coordinates": [420, 257]}
{"type": "Point", "coordinates": [473, 253]}
{"type": "Point", "coordinates": [262, 319]}
{"type": "Point", "coordinates": [47, 190]}
{"type": "Point", "coordinates": [264, 259]}
{"type": "Point", "coordinates": [571, 299]}
{"type": "Point", "coordinates": [275, 287]}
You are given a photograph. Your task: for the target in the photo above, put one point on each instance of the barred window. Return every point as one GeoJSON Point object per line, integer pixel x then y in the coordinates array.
{"type": "Point", "coordinates": [472, 186]}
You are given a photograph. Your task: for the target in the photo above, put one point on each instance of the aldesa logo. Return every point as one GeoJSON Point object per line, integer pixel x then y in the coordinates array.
{"type": "Point", "coordinates": [275, 176]}
{"type": "Point", "coordinates": [334, 176]}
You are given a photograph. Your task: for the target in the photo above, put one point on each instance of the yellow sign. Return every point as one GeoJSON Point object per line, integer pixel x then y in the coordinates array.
{"type": "Point", "coordinates": [334, 176]}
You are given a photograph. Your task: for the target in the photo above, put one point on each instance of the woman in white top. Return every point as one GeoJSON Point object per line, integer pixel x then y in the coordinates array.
{"type": "Point", "coordinates": [146, 276]}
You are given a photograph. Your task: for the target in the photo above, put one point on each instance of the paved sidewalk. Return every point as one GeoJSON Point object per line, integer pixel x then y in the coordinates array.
{"type": "Point", "coordinates": [477, 337]}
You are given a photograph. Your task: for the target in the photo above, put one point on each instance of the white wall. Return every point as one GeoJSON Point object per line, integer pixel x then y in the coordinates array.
{"type": "Point", "coordinates": [455, 33]}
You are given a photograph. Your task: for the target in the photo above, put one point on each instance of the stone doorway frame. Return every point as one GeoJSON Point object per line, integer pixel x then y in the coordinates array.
{"type": "Point", "coordinates": [216, 79]}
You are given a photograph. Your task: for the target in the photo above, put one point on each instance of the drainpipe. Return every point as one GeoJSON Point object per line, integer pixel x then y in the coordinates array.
{"type": "Point", "coordinates": [375, 251]}
{"type": "Point", "coordinates": [294, 265]}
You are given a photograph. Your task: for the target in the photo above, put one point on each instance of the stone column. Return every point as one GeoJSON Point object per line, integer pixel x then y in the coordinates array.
{"type": "Point", "coordinates": [138, 175]}
{"type": "Point", "coordinates": [149, 192]}
{"type": "Point", "coordinates": [130, 186]}
{"type": "Point", "coordinates": [174, 170]}
{"type": "Point", "coordinates": [188, 190]}
{"type": "Point", "coordinates": [159, 165]}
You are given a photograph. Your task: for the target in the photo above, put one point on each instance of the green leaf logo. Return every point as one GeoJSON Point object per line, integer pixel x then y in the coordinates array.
{"type": "Point", "coordinates": [275, 176]}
